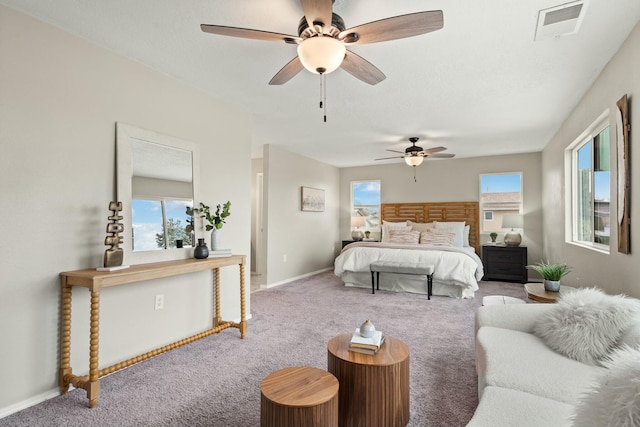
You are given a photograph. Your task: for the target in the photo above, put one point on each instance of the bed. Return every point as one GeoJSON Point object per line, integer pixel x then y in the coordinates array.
{"type": "Point", "coordinates": [452, 249]}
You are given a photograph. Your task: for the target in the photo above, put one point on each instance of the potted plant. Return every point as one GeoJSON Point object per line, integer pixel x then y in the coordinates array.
{"type": "Point", "coordinates": [551, 273]}
{"type": "Point", "coordinates": [367, 234]}
{"type": "Point", "coordinates": [215, 220]}
{"type": "Point", "coordinates": [493, 236]}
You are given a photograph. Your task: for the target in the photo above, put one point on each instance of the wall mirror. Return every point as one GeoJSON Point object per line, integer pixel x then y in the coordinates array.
{"type": "Point", "coordinates": [156, 183]}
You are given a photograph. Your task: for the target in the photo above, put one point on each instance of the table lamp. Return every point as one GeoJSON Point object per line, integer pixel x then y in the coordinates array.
{"type": "Point", "coordinates": [512, 238]}
{"type": "Point", "coordinates": [357, 234]}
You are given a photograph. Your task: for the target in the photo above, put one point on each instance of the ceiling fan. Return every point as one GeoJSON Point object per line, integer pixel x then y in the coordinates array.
{"type": "Point", "coordinates": [322, 40]}
{"type": "Point", "coordinates": [414, 155]}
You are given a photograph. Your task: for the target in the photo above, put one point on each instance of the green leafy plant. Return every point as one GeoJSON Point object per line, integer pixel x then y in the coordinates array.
{"type": "Point", "coordinates": [550, 271]}
{"type": "Point", "coordinates": [367, 233]}
{"type": "Point", "coordinates": [217, 219]}
{"type": "Point", "coordinates": [493, 234]}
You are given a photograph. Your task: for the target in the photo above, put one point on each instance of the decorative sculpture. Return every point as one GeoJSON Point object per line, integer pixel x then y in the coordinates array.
{"type": "Point", "coordinates": [114, 255]}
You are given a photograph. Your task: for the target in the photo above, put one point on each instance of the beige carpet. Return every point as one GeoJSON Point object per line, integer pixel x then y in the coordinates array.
{"type": "Point", "coordinates": [216, 381]}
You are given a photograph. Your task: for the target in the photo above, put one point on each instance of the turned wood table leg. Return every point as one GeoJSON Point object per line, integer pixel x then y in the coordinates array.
{"type": "Point", "coordinates": [243, 309]}
{"type": "Point", "coordinates": [65, 345]}
{"type": "Point", "coordinates": [93, 386]}
{"type": "Point", "coordinates": [217, 320]}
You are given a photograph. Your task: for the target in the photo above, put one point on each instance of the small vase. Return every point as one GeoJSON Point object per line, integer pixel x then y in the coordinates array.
{"type": "Point", "coordinates": [552, 285]}
{"type": "Point", "coordinates": [215, 239]}
{"type": "Point", "coordinates": [201, 251]}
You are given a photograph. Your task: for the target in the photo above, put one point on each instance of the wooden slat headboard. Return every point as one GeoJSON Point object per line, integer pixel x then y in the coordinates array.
{"type": "Point", "coordinates": [437, 211]}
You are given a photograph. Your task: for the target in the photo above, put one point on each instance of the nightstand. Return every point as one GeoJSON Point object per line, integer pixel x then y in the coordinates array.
{"type": "Point", "coordinates": [505, 263]}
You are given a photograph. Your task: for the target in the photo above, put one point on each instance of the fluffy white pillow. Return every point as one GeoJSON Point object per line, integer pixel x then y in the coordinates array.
{"type": "Point", "coordinates": [404, 236]}
{"type": "Point", "coordinates": [586, 323]}
{"type": "Point", "coordinates": [437, 238]}
{"type": "Point", "coordinates": [615, 399]}
{"type": "Point", "coordinates": [454, 227]}
{"type": "Point", "coordinates": [421, 226]}
{"type": "Point", "coordinates": [388, 225]}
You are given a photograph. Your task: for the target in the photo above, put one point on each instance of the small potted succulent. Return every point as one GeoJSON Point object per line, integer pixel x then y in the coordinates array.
{"type": "Point", "coordinates": [367, 234]}
{"type": "Point", "coordinates": [551, 273]}
{"type": "Point", "coordinates": [493, 236]}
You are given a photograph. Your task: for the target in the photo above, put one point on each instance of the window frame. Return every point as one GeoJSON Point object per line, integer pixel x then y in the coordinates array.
{"type": "Point", "coordinates": [481, 204]}
{"type": "Point", "coordinates": [378, 206]}
{"type": "Point", "coordinates": [571, 199]}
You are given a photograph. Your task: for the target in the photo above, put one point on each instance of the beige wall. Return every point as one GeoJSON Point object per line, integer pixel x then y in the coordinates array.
{"type": "Point", "coordinates": [308, 239]}
{"type": "Point", "coordinates": [449, 181]}
{"type": "Point", "coordinates": [613, 272]}
{"type": "Point", "coordinates": [60, 98]}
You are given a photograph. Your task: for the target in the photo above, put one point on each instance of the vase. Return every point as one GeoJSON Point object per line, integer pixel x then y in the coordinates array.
{"type": "Point", "coordinates": [551, 285]}
{"type": "Point", "coordinates": [201, 251]}
{"type": "Point", "coordinates": [215, 239]}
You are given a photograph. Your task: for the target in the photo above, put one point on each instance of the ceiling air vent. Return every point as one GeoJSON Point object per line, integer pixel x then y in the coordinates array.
{"type": "Point", "coordinates": [560, 20]}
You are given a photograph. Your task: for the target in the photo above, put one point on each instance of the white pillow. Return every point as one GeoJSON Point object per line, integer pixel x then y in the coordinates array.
{"type": "Point", "coordinates": [437, 238]}
{"type": "Point", "coordinates": [387, 225]}
{"type": "Point", "coordinates": [421, 226]}
{"type": "Point", "coordinates": [465, 236]}
{"type": "Point", "coordinates": [454, 227]}
{"type": "Point", "coordinates": [586, 323]}
{"type": "Point", "coordinates": [404, 236]}
{"type": "Point", "coordinates": [614, 400]}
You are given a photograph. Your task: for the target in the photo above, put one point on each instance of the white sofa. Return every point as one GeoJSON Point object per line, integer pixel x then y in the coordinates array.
{"type": "Point", "coordinates": [523, 382]}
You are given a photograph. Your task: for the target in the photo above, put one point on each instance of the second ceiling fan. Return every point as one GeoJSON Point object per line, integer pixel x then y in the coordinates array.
{"type": "Point", "coordinates": [414, 155]}
{"type": "Point", "coordinates": [322, 40]}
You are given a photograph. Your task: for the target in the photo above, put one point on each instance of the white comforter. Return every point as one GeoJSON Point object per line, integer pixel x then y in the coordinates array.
{"type": "Point", "coordinates": [452, 265]}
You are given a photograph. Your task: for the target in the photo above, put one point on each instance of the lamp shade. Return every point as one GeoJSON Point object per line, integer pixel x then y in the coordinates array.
{"type": "Point", "coordinates": [512, 221]}
{"type": "Point", "coordinates": [413, 160]}
{"type": "Point", "coordinates": [321, 54]}
{"type": "Point", "coordinates": [357, 221]}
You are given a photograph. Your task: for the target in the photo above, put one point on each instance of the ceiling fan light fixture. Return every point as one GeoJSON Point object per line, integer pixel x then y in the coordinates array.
{"type": "Point", "coordinates": [321, 54]}
{"type": "Point", "coordinates": [414, 160]}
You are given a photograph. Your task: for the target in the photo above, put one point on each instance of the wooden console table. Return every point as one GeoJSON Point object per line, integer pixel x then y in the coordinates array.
{"type": "Point", "coordinates": [96, 280]}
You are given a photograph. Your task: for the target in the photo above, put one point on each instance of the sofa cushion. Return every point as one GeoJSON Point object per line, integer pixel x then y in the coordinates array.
{"type": "Point", "coordinates": [615, 399]}
{"type": "Point", "coordinates": [586, 324]}
{"type": "Point", "coordinates": [502, 407]}
{"type": "Point", "coordinates": [521, 361]}
{"type": "Point", "coordinates": [519, 317]}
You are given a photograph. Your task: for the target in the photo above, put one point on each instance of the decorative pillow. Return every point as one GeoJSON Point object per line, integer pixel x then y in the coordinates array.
{"type": "Point", "coordinates": [387, 226]}
{"type": "Point", "coordinates": [454, 227]}
{"type": "Point", "coordinates": [437, 238]}
{"type": "Point", "coordinates": [586, 323]}
{"type": "Point", "coordinates": [404, 236]}
{"type": "Point", "coordinates": [421, 226]}
{"type": "Point", "coordinates": [615, 399]}
{"type": "Point", "coordinates": [465, 236]}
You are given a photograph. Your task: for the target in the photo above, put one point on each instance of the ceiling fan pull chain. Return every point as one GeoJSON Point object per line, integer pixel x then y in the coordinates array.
{"type": "Point", "coordinates": [321, 91]}
{"type": "Point", "coordinates": [324, 96]}
{"type": "Point", "coordinates": [414, 174]}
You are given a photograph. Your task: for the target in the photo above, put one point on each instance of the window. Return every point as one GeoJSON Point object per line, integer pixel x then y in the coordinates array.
{"type": "Point", "coordinates": [148, 219]}
{"type": "Point", "coordinates": [365, 201]}
{"type": "Point", "coordinates": [500, 195]}
{"type": "Point", "coordinates": [590, 160]}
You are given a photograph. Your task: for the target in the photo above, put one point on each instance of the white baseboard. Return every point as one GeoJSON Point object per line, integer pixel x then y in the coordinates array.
{"type": "Point", "coordinates": [293, 279]}
{"type": "Point", "coordinates": [32, 401]}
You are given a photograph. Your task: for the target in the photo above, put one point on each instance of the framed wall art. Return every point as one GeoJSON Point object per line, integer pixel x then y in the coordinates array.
{"type": "Point", "coordinates": [312, 199]}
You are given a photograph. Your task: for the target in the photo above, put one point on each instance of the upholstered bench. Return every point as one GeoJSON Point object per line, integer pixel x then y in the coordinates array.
{"type": "Point", "coordinates": [400, 268]}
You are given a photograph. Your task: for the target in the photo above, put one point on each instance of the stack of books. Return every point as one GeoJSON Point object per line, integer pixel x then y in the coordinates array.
{"type": "Point", "coordinates": [219, 253]}
{"type": "Point", "coordinates": [370, 345]}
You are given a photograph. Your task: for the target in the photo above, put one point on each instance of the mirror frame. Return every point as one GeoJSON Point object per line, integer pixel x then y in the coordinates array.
{"type": "Point", "coordinates": [125, 134]}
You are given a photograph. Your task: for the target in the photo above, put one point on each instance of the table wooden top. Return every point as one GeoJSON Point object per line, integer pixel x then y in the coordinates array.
{"type": "Point", "coordinates": [536, 292]}
{"type": "Point", "coordinates": [393, 351]}
{"type": "Point", "coordinates": [300, 386]}
{"type": "Point", "coordinates": [95, 280]}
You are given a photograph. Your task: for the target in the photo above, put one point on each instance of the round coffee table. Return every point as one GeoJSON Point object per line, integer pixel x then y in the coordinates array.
{"type": "Point", "coordinates": [300, 396]}
{"type": "Point", "coordinates": [374, 390]}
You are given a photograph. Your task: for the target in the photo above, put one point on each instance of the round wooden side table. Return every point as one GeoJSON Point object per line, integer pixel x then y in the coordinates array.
{"type": "Point", "coordinates": [535, 291]}
{"type": "Point", "coordinates": [299, 396]}
{"type": "Point", "coordinates": [374, 390]}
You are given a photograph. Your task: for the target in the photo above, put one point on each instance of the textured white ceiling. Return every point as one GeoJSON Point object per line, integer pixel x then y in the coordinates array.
{"type": "Point", "coordinates": [480, 86]}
